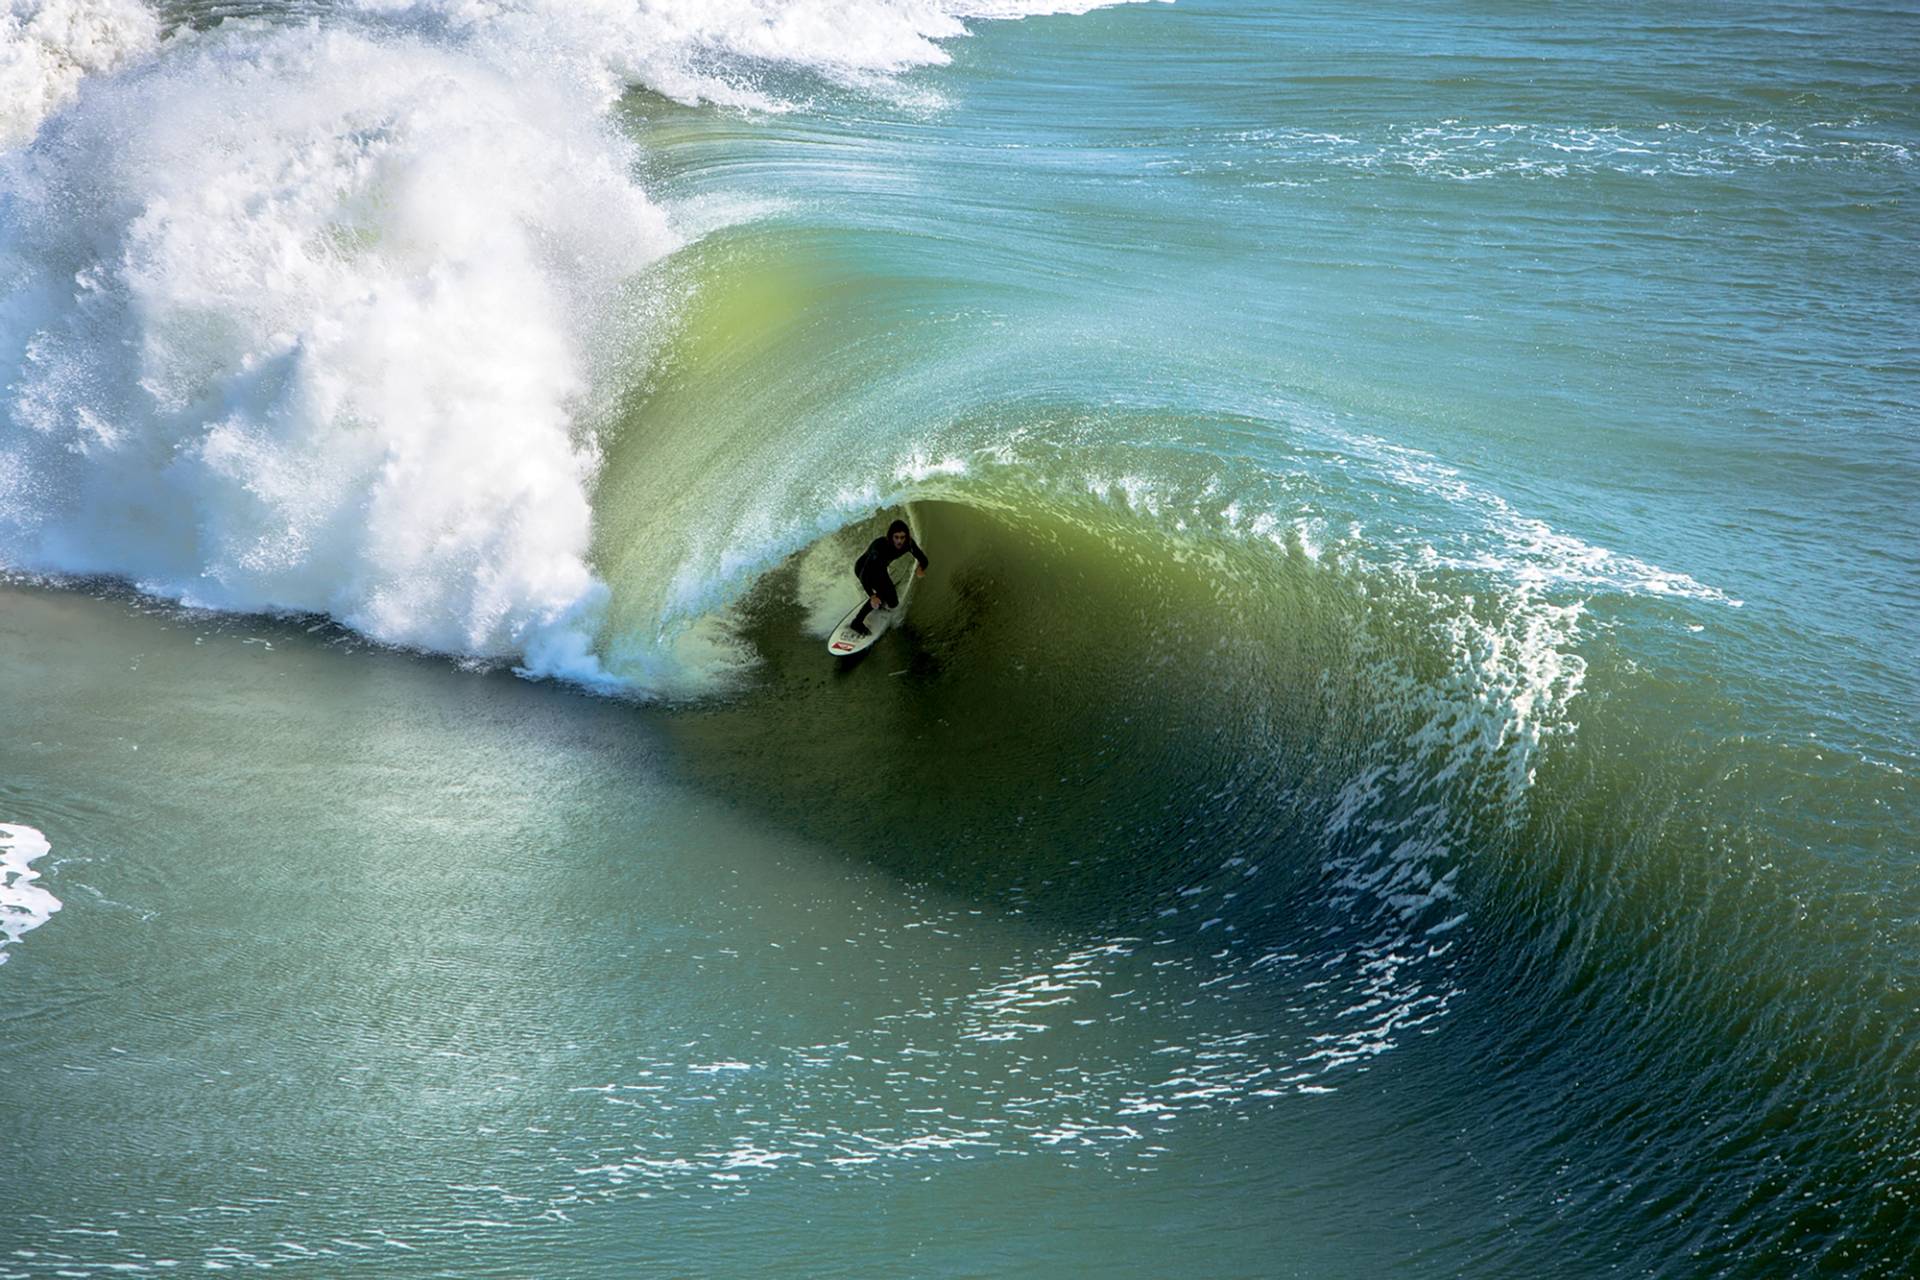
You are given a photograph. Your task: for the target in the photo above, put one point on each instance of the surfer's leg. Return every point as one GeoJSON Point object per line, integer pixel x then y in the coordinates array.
{"type": "Point", "coordinates": [868, 591]}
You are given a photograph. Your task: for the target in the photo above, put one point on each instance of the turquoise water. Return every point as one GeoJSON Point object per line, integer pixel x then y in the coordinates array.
{"type": "Point", "coordinates": [1402, 762]}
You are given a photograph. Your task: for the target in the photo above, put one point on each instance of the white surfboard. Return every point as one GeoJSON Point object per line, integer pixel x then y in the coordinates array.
{"type": "Point", "coordinates": [845, 641]}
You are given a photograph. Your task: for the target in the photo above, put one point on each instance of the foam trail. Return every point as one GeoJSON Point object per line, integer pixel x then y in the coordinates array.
{"type": "Point", "coordinates": [47, 47]}
{"type": "Point", "coordinates": [24, 905]}
{"type": "Point", "coordinates": [304, 320]}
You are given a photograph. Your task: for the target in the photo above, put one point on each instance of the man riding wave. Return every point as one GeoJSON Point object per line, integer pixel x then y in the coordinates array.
{"type": "Point", "coordinates": [871, 570]}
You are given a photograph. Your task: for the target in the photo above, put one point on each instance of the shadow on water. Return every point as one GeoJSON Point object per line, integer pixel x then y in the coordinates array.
{"type": "Point", "coordinates": [1075, 724]}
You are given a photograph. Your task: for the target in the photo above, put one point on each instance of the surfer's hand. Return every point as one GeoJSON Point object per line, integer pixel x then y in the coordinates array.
{"type": "Point", "coordinates": [920, 573]}
{"type": "Point", "coordinates": [874, 599]}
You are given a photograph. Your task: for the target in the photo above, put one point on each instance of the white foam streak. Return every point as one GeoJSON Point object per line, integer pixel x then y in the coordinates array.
{"type": "Point", "coordinates": [1474, 151]}
{"type": "Point", "coordinates": [24, 905]}
{"type": "Point", "coordinates": [1531, 552]}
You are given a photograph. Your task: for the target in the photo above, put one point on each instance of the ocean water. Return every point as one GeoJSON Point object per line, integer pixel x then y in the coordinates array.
{"type": "Point", "coordinates": [1403, 761]}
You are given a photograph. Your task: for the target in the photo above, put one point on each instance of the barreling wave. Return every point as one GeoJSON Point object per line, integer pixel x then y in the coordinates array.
{"type": "Point", "coordinates": [321, 309]}
{"type": "Point", "coordinates": [1207, 703]}
{"type": "Point", "coordinates": [360, 311]}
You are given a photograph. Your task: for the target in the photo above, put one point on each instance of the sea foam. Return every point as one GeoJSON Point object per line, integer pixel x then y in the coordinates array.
{"type": "Point", "coordinates": [47, 47]}
{"type": "Point", "coordinates": [24, 905]}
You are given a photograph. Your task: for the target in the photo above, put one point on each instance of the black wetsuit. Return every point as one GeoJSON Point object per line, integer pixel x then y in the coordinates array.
{"type": "Point", "coordinates": [871, 569]}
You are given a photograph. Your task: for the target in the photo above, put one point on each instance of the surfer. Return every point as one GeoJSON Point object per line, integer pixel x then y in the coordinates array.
{"type": "Point", "coordinates": [871, 569]}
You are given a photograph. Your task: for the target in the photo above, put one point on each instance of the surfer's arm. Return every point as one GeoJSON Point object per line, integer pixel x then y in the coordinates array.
{"type": "Point", "coordinates": [919, 555]}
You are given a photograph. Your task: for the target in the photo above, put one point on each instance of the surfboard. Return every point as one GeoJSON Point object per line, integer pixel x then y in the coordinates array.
{"type": "Point", "coordinates": [845, 641]}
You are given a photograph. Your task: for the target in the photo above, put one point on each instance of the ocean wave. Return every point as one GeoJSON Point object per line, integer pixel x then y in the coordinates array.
{"type": "Point", "coordinates": [342, 320]}
{"type": "Point", "coordinates": [325, 314]}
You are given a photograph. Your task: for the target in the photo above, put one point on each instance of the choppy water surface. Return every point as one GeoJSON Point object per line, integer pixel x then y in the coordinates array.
{"type": "Point", "coordinates": [1403, 761]}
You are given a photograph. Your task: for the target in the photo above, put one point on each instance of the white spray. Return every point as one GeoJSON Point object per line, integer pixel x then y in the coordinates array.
{"type": "Point", "coordinates": [47, 47]}
{"type": "Point", "coordinates": [295, 319]}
